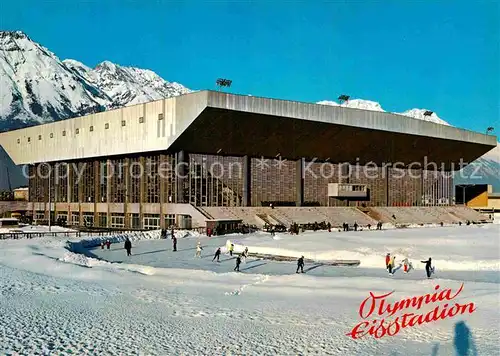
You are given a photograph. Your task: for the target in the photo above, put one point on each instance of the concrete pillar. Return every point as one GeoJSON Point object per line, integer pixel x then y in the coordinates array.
{"type": "Point", "coordinates": [126, 172]}
{"type": "Point", "coordinates": [299, 184]}
{"type": "Point", "coordinates": [182, 170]}
{"type": "Point", "coordinates": [80, 193]}
{"type": "Point", "coordinates": [142, 190]}
{"type": "Point", "coordinates": [247, 184]}
{"type": "Point", "coordinates": [162, 172]}
{"type": "Point", "coordinates": [97, 190]}
{"type": "Point", "coordinates": [109, 181]}
{"type": "Point", "coordinates": [386, 175]}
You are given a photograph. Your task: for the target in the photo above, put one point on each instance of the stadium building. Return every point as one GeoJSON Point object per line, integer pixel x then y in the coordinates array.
{"type": "Point", "coordinates": [211, 155]}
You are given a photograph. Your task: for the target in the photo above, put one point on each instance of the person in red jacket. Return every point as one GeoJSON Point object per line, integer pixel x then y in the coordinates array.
{"type": "Point", "coordinates": [387, 260]}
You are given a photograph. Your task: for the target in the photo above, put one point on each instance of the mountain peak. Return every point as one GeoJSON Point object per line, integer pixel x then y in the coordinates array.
{"type": "Point", "coordinates": [419, 114]}
{"type": "Point", "coordinates": [355, 104]}
{"type": "Point", "coordinates": [14, 35]}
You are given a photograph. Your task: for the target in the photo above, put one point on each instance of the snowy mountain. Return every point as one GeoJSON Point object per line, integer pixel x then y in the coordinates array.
{"type": "Point", "coordinates": [36, 86]}
{"type": "Point", "coordinates": [355, 104]}
{"type": "Point", "coordinates": [127, 85]}
{"type": "Point", "coordinates": [375, 106]}
{"type": "Point", "coordinates": [484, 170]}
{"type": "Point", "coordinates": [419, 114]}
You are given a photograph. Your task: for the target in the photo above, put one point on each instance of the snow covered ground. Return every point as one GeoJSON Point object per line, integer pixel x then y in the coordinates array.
{"type": "Point", "coordinates": [159, 302]}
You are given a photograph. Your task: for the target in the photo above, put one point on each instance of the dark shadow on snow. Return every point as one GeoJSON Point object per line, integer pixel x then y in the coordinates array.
{"type": "Point", "coordinates": [313, 267]}
{"type": "Point", "coordinates": [463, 340]}
{"type": "Point", "coordinates": [247, 268]}
{"type": "Point", "coordinates": [147, 253]}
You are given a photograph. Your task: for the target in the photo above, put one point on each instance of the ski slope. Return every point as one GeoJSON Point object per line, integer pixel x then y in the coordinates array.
{"type": "Point", "coordinates": [160, 302]}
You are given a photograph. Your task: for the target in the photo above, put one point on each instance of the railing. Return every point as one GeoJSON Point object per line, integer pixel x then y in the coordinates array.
{"type": "Point", "coordinates": [31, 235]}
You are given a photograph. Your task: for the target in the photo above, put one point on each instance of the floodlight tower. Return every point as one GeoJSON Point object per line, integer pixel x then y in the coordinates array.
{"type": "Point", "coordinates": [490, 130]}
{"type": "Point", "coordinates": [221, 82]}
{"type": "Point", "coordinates": [343, 98]}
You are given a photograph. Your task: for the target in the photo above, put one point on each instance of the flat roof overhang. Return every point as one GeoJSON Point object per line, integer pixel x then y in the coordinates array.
{"type": "Point", "coordinates": [211, 122]}
{"type": "Point", "coordinates": [230, 132]}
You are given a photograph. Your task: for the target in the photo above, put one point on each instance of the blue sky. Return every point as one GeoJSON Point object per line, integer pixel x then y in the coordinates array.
{"type": "Point", "coordinates": [442, 55]}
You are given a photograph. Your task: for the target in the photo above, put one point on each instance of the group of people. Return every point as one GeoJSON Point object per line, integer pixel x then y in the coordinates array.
{"type": "Point", "coordinates": [390, 264]}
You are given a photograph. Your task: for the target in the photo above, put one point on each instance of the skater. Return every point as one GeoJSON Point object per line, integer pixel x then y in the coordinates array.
{"type": "Point", "coordinates": [231, 249]}
{"type": "Point", "coordinates": [217, 254]}
{"type": "Point", "coordinates": [355, 226]}
{"type": "Point", "coordinates": [392, 264]}
{"type": "Point", "coordinates": [102, 245]}
{"type": "Point", "coordinates": [428, 267]}
{"type": "Point", "coordinates": [300, 264]}
{"type": "Point", "coordinates": [387, 261]}
{"type": "Point", "coordinates": [329, 226]}
{"type": "Point", "coordinates": [174, 243]}
{"type": "Point", "coordinates": [369, 226]}
{"type": "Point", "coordinates": [407, 266]}
{"type": "Point", "coordinates": [238, 262]}
{"type": "Point", "coordinates": [128, 247]}
{"type": "Point", "coordinates": [245, 254]}
{"type": "Point", "coordinates": [108, 244]}
{"type": "Point", "coordinates": [198, 249]}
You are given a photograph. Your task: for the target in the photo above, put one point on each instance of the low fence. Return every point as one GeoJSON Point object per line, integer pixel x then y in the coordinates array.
{"type": "Point", "coordinates": [74, 234]}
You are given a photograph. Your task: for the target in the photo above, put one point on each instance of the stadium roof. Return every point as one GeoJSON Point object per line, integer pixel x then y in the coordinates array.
{"type": "Point", "coordinates": [219, 123]}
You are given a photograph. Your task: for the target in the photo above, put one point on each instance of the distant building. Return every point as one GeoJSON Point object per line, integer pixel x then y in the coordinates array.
{"type": "Point", "coordinates": [166, 162]}
{"type": "Point", "coordinates": [478, 196]}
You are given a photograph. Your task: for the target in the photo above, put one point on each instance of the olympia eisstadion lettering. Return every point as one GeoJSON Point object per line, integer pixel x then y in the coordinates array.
{"type": "Point", "coordinates": [380, 306]}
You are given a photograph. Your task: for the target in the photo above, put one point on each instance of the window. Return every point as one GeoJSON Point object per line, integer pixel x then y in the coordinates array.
{"type": "Point", "coordinates": [18, 140]}
{"type": "Point", "coordinates": [39, 137]}
{"type": "Point", "coordinates": [123, 123]}
{"type": "Point", "coordinates": [117, 221]}
{"type": "Point", "coordinates": [169, 220]}
{"type": "Point", "coordinates": [75, 218]}
{"type": "Point", "coordinates": [151, 221]}
{"type": "Point", "coordinates": [135, 222]}
{"type": "Point", "coordinates": [106, 125]}
{"type": "Point", "coordinates": [91, 128]}
{"type": "Point", "coordinates": [51, 135]}
{"type": "Point", "coordinates": [77, 131]}
{"type": "Point", "coordinates": [141, 120]}
{"type": "Point", "coordinates": [102, 220]}
{"type": "Point", "coordinates": [29, 139]}
{"type": "Point", "coordinates": [64, 133]}
{"type": "Point", "coordinates": [160, 116]}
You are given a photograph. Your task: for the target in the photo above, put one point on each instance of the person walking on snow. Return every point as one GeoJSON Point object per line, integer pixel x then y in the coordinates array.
{"type": "Point", "coordinates": [238, 262]}
{"type": "Point", "coordinates": [174, 243]}
{"type": "Point", "coordinates": [231, 249]}
{"type": "Point", "coordinates": [300, 264]}
{"type": "Point", "coordinates": [108, 244]}
{"type": "Point", "coordinates": [217, 255]}
{"type": "Point", "coordinates": [198, 249]}
{"type": "Point", "coordinates": [428, 267]}
{"type": "Point", "coordinates": [128, 247]}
